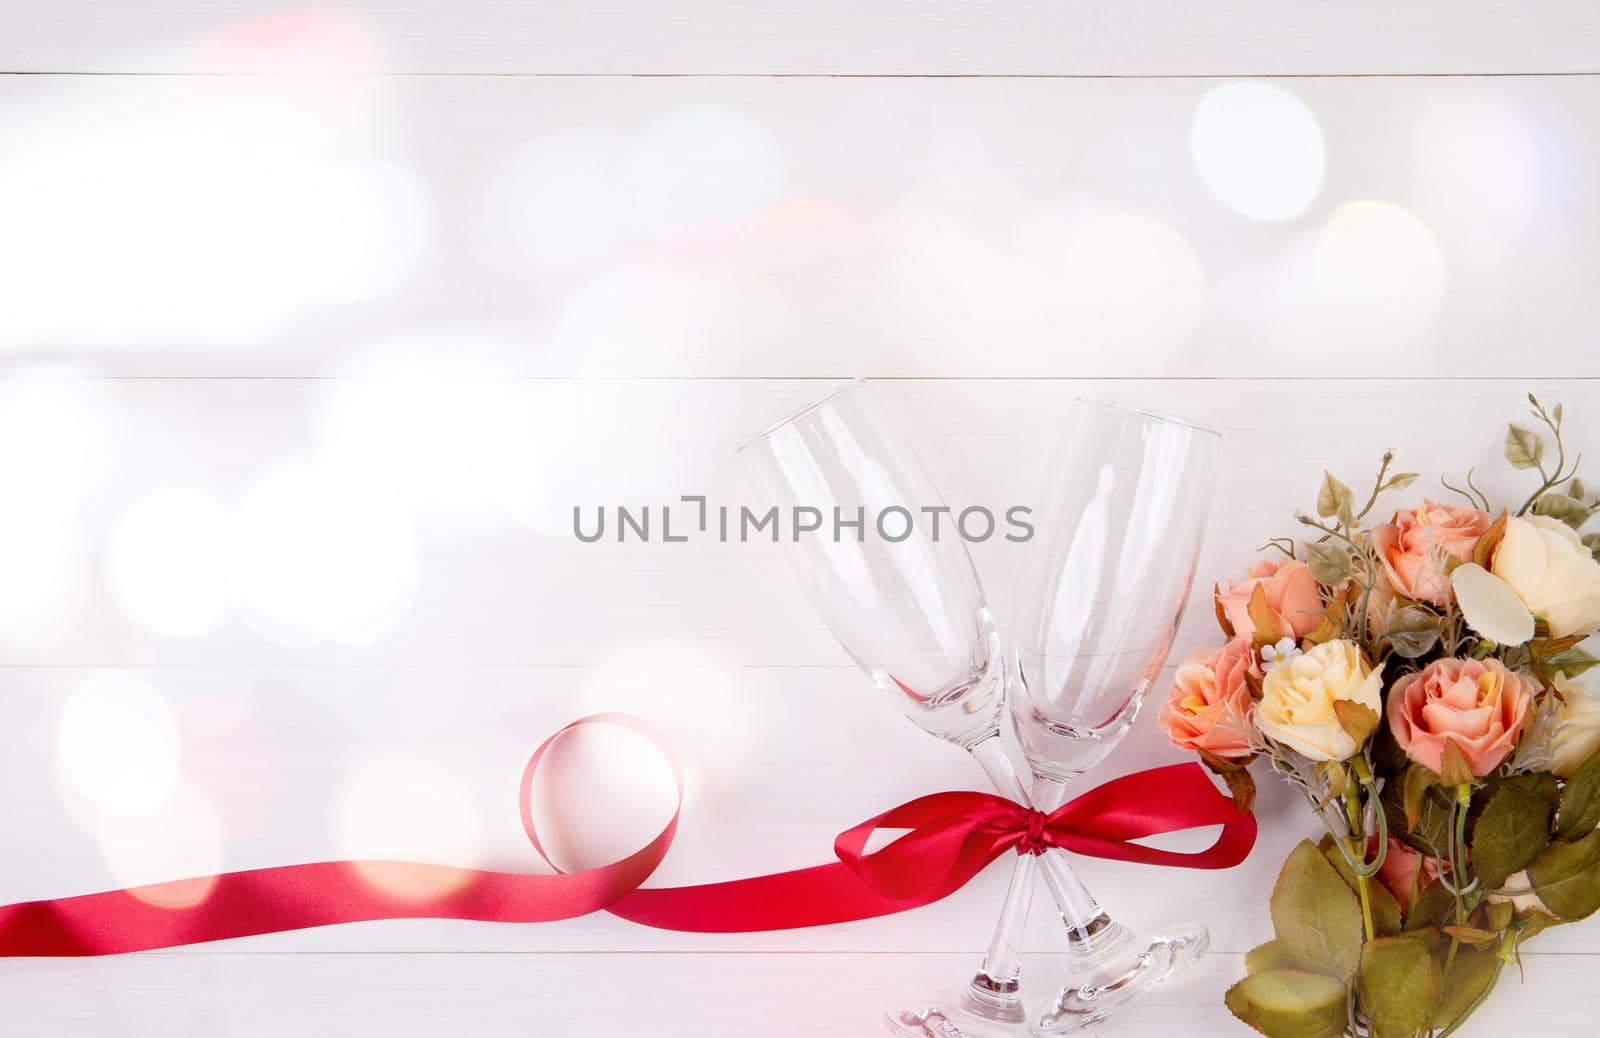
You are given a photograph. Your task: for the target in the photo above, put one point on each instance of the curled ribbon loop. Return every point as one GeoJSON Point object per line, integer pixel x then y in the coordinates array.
{"type": "Point", "coordinates": [948, 839]}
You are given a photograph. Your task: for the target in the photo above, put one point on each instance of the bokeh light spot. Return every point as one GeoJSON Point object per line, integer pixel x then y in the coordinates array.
{"type": "Point", "coordinates": [1131, 282]}
{"type": "Point", "coordinates": [165, 563]}
{"type": "Point", "coordinates": [204, 211]}
{"type": "Point", "coordinates": [1381, 267]}
{"type": "Point", "coordinates": [377, 225]}
{"type": "Point", "coordinates": [170, 856]}
{"type": "Point", "coordinates": [314, 554]}
{"type": "Point", "coordinates": [1258, 149]}
{"type": "Point", "coordinates": [118, 743]}
{"type": "Point", "coordinates": [700, 171]}
{"type": "Point", "coordinates": [398, 808]}
{"type": "Point", "coordinates": [61, 439]}
{"type": "Point", "coordinates": [692, 694]}
{"type": "Point", "coordinates": [439, 415]}
{"type": "Point", "coordinates": [553, 203]}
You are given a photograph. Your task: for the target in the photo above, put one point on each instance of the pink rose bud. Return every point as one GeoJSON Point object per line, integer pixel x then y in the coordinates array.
{"type": "Point", "coordinates": [1399, 873]}
{"type": "Point", "coordinates": [1291, 593]}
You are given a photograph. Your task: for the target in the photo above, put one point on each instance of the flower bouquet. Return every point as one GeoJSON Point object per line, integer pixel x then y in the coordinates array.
{"type": "Point", "coordinates": [1416, 680]}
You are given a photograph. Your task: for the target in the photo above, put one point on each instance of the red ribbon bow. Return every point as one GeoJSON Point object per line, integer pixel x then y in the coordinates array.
{"type": "Point", "coordinates": [951, 838]}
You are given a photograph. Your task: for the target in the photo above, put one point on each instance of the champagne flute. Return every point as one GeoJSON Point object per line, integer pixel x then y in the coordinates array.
{"type": "Point", "coordinates": [1121, 521]}
{"type": "Point", "coordinates": [910, 612]}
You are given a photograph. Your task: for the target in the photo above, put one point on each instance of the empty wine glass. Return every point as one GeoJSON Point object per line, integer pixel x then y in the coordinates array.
{"type": "Point", "coordinates": [1120, 525]}
{"type": "Point", "coordinates": [906, 604]}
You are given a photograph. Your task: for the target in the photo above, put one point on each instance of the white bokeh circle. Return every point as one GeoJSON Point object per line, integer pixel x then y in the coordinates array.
{"type": "Point", "coordinates": [164, 563]}
{"type": "Point", "coordinates": [1258, 149]}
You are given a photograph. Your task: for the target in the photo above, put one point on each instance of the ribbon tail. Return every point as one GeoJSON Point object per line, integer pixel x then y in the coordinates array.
{"type": "Point", "coordinates": [819, 896]}
{"type": "Point", "coordinates": [297, 897]}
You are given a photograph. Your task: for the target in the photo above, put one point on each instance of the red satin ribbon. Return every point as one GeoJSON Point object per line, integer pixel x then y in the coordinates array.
{"type": "Point", "coordinates": [951, 838]}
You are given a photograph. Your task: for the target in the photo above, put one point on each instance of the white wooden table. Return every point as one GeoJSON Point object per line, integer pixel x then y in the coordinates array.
{"type": "Point", "coordinates": [314, 327]}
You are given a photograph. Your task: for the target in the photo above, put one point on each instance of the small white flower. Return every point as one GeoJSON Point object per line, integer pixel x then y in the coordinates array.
{"type": "Point", "coordinates": [1281, 651]}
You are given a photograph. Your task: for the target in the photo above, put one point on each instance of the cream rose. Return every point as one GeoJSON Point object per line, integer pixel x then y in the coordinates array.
{"type": "Point", "coordinates": [1577, 735]}
{"type": "Point", "coordinates": [1297, 698]}
{"type": "Point", "coordinates": [1553, 573]}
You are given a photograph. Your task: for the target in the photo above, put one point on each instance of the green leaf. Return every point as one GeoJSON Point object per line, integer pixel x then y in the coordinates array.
{"type": "Point", "coordinates": [1540, 783]}
{"type": "Point", "coordinates": [1564, 508]}
{"type": "Point", "coordinates": [1471, 974]}
{"type": "Point", "coordinates": [1414, 787]}
{"type": "Point", "coordinates": [1513, 829]}
{"type": "Point", "coordinates": [1575, 488]}
{"type": "Point", "coordinates": [1417, 810]}
{"type": "Point", "coordinates": [1497, 915]}
{"type": "Point", "coordinates": [1571, 662]}
{"type": "Point", "coordinates": [1334, 498]}
{"type": "Point", "coordinates": [1413, 631]}
{"type": "Point", "coordinates": [1286, 1003]}
{"type": "Point", "coordinates": [1329, 563]}
{"type": "Point", "coordinates": [1524, 447]}
{"type": "Point", "coordinates": [1433, 908]}
{"type": "Point", "coordinates": [1269, 956]}
{"type": "Point", "coordinates": [1579, 814]}
{"type": "Point", "coordinates": [1567, 877]}
{"type": "Point", "coordinates": [1400, 480]}
{"type": "Point", "coordinates": [1397, 986]}
{"type": "Point", "coordinates": [1238, 1005]}
{"type": "Point", "coordinates": [1316, 916]}
{"type": "Point", "coordinates": [1385, 909]}
{"type": "Point", "coordinates": [1532, 923]}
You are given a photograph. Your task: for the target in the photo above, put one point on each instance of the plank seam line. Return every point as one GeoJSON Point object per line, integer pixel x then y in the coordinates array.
{"type": "Point", "coordinates": [1106, 76]}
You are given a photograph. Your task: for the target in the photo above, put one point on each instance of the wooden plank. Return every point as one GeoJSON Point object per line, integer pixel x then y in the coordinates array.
{"type": "Point", "coordinates": [670, 995]}
{"type": "Point", "coordinates": [645, 227]}
{"type": "Point", "coordinates": [1021, 37]}
{"type": "Point", "coordinates": [474, 482]}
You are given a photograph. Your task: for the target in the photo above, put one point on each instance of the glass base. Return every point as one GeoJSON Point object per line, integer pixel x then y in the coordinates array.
{"type": "Point", "coordinates": [950, 1021]}
{"type": "Point", "coordinates": [986, 1009]}
{"type": "Point", "coordinates": [1121, 975]}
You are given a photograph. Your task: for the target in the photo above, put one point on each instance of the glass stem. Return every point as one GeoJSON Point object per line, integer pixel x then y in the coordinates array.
{"type": "Point", "coordinates": [1082, 914]}
{"type": "Point", "coordinates": [1002, 965]}
{"type": "Point", "coordinates": [1084, 919]}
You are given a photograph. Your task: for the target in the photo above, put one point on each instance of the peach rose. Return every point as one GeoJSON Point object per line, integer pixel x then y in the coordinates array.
{"type": "Point", "coordinates": [1399, 872]}
{"type": "Point", "coordinates": [1410, 547]}
{"type": "Point", "coordinates": [1291, 592]}
{"type": "Point", "coordinates": [1208, 706]}
{"type": "Point", "coordinates": [1477, 704]}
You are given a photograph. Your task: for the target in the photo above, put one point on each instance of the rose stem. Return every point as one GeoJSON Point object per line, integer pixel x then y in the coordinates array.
{"type": "Point", "coordinates": [1508, 944]}
{"type": "Point", "coordinates": [1352, 805]}
{"type": "Point", "coordinates": [1458, 854]}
